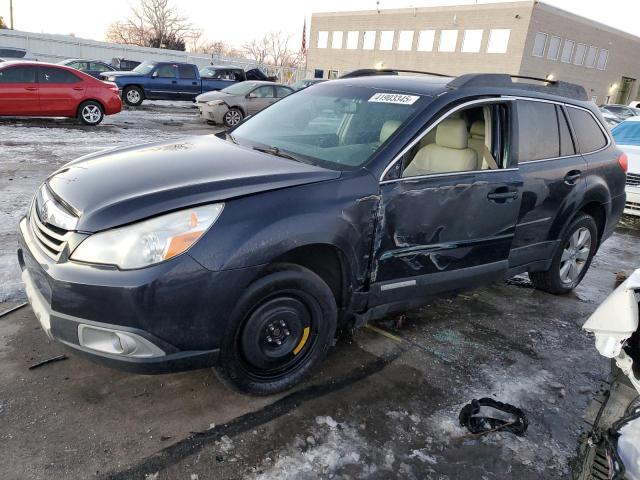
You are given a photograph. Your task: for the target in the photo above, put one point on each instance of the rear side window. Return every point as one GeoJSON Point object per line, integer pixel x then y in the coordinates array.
{"type": "Point", "coordinates": [56, 75]}
{"type": "Point", "coordinates": [566, 142]}
{"type": "Point", "coordinates": [538, 135]}
{"type": "Point", "coordinates": [186, 71]}
{"type": "Point", "coordinates": [18, 75]}
{"type": "Point", "coordinates": [588, 132]}
{"type": "Point", "coordinates": [282, 92]}
{"type": "Point", "coordinates": [98, 67]}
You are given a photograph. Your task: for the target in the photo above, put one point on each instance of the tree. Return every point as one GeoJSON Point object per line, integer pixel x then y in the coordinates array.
{"type": "Point", "coordinates": [257, 49]}
{"type": "Point", "coordinates": [278, 48]}
{"type": "Point", "coordinates": [154, 23]}
{"type": "Point", "coordinates": [2, 24]}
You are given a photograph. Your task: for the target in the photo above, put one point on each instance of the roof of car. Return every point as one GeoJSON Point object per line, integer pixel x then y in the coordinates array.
{"type": "Point", "coordinates": [435, 84]}
{"type": "Point", "coordinates": [632, 119]}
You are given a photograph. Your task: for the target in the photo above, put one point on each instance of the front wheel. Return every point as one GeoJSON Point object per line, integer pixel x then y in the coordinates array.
{"type": "Point", "coordinates": [572, 259]}
{"type": "Point", "coordinates": [233, 117]}
{"type": "Point", "coordinates": [282, 327]}
{"type": "Point", "coordinates": [90, 113]}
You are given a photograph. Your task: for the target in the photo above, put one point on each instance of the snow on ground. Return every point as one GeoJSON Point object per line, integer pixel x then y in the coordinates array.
{"type": "Point", "coordinates": [30, 149]}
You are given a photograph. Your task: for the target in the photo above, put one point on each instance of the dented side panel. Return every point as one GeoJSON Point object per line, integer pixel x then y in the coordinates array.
{"type": "Point", "coordinates": [444, 223]}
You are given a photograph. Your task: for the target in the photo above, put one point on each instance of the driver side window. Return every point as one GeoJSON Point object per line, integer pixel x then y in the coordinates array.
{"type": "Point", "coordinates": [466, 140]}
{"type": "Point", "coordinates": [166, 71]}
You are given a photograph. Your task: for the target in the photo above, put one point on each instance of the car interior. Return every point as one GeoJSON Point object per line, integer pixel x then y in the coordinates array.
{"type": "Point", "coordinates": [461, 142]}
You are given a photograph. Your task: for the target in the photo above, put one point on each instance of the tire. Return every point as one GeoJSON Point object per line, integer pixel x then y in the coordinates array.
{"type": "Point", "coordinates": [572, 259]}
{"type": "Point", "coordinates": [281, 328]}
{"type": "Point", "coordinates": [233, 117]}
{"type": "Point", "coordinates": [133, 96]}
{"type": "Point", "coordinates": [90, 113]}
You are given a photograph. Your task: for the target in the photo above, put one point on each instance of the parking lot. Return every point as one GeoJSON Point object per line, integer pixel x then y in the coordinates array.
{"type": "Point", "coordinates": [383, 405]}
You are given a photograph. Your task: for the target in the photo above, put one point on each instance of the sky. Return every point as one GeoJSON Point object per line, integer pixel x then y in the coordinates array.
{"type": "Point", "coordinates": [239, 21]}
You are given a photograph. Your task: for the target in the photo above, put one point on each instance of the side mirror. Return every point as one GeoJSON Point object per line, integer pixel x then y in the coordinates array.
{"type": "Point", "coordinates": [154, 74]}
{"type": "Point", "coordinates": [250, 95]}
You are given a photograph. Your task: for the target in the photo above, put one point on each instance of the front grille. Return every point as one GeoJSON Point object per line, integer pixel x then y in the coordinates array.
{"type": "Point", "coordinates": [600, 465]}
{"type": "Point", "coordinates": [632, 206]}
{"type": "Point", "coordinates": [51, 239]}
{"type": "Point", "coordinates": [633, 180]}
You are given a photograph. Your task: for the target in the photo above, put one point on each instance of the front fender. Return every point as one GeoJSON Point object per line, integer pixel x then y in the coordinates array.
{"type": "Point", "coordinates": [257, 229]}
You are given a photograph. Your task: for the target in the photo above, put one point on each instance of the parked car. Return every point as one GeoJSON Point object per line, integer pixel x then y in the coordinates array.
{"type": "Point", "coordinates": [622, 111]}
{"type": "Point", "coordinates": [162, 81]}
{"type": "Point", "coordinates": [616, 434]}
{"type": "Point", "coordinates": [245, 250]}
{"type": "Point", "coordinates": [90, 67]}
{"type": "Point", "coordinates": [10, 53]}
{"type": "Point", "coordinates": [49, 90]}
{"type": "Point", "coordinates": [627, 137]}
{"type": "Point", "coordinates": [611, 119]}
{"type": "Point", "coordinates": [221, 77]}
{"type": "Point", "coordinates": [124, 65]}
{"type": "Point", "coordinates": [230, 105]}
{"type": "Point", "coordinates": [307, 82]}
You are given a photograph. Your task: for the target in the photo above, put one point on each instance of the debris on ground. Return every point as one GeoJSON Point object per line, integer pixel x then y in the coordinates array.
{"type": "Point", "coordinates": [48, 361]}
{"type": "Point", "coordinates": [488, 415]}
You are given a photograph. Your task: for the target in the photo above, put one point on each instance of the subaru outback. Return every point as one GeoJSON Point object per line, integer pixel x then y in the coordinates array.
{"type": "Point", "coordinates": [338, 205]}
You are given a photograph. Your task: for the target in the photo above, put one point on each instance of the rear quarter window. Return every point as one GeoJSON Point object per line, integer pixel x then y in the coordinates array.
{"type": "Point", "coordinates": [538, 135]}
{"type": "Point", "coordinates": [588, 131]}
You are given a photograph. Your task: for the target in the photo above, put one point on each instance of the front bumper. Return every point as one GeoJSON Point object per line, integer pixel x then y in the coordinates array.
{"type": "Point", "coordinates": [177, 310]}
{"type": "Point", "coordinates": [632, 205]}
{"type": "Point", "coordinates": [212, 113]}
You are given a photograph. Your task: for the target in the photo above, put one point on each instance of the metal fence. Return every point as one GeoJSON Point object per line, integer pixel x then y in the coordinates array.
{"type": "Point", "coordinates": [53, 48]}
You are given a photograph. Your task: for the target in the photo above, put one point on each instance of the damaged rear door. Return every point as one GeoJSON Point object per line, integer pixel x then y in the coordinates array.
{"type": "Point", "coordinates": [448, 221]}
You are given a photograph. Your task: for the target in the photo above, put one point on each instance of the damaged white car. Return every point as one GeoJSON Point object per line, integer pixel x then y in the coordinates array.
{"type": "Point", "coordinates": [615, 326]}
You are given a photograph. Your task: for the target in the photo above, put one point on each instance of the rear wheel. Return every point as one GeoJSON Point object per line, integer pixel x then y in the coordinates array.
{"type": "Point", "coordinates": [572, 260]}
{"type": "Point", "coordinates": [133, 96]}
{"type": "Point", "coordinates": [233, 117]}
{"type": "Point", "coordinates": [282, 327]}
{"type": "Point", "coordinates": [90, 113]}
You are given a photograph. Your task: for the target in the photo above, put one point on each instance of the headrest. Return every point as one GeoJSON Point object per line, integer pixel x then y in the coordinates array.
{"type": "Point", "coordinates": [477, 129]}
{"type": "Point", "coordinates": [387, 129]}
{"type": "Point", "coordinates": [452, 133]}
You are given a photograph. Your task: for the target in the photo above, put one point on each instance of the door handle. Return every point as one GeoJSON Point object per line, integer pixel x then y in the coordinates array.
{"type": "Point", "coordinates": [174, 81]}
{"type": "Point", "coordinates": [572, 177]}
{"type": "Point", "coordinates": [31, 89]}
{"type": "Point", "coordinates": [502, 194]}
{"type": "Point", "coordinates": [78, 88]}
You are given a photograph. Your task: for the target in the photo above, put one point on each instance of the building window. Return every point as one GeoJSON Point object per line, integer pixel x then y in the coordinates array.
{"type": "Point", "coordinates": [368, 40]}
{"type": "Point", "coordinates": [567, 51]}
{"type": "Point", "coordinates": [539, 44]}
{"type": "Point", "coordinates": [448, 40]}
{"type": "Point", "coordinates": [386, 40]}
{"type": "Point", "coordinates": [581, 50]}
{"type": "Point", "coordinates": [498, 40]}
{"type": "Point", "coordinates": [425, 40]}
{"type": "Point", "coordinates": [471, 41]}
{"type": "Point", "coordinates": [352, 40]}
{"type": "Point", "coordinates": [323, 37]}
{"type": "Point", "coordinates": [554, 48]}
{"type": "Point", "coordinates": [602, 59]}
{"type": "Point", "coordinates": [405, 40]}
{"type": "Point", "coordinates": [336, 40]}
{"type": "Point", "coordinates": [592, 55]}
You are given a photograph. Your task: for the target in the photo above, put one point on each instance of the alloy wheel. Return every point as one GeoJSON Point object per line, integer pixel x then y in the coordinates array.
{"type": "Point", "coordinates": [91, 113]}
{"type": "Point", "coordinates": [575, 255]}
{"type": "Point", "coordinates": [133, 96]}
{"type": "Point", "coordinates": [232, 118]}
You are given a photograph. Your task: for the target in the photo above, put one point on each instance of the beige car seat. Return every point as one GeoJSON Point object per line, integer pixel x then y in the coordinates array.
{"type": "Point", "coordinates": [476, 141]}
{"type": "Point", "coordinates": [450, 152]}
{"type": "Point", "coordinates": [387, 129]}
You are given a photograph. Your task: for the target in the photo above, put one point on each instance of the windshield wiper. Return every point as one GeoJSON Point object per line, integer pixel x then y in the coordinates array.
{"type": "Point", "coordinates": [277, 152]}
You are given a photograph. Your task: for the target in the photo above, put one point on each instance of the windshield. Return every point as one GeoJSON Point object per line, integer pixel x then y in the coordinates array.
{"type": "Point", "coordinates": [241, 88]}
{"type": "Point", "coordinates": [627, 133]}
{"type": "Point", "coordinates": [337, 126]}
{"type": "Point", "coordinates": [144, 68]}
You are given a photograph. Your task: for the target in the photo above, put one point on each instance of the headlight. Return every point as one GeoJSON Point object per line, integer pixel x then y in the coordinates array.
{"type": "Point", "coordinates": [150, 241]}
{"type": "Point", "coordinates": [111, 79]}
{"type": "Point", "coordinates": [214, 102]}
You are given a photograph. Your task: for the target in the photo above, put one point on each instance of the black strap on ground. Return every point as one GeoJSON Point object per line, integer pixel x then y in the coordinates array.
{"type": "Point", "coordinates": [478, 425]}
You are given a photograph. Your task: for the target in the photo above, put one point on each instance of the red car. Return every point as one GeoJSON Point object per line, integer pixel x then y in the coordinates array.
{"type": "Point", "coordinates": [38, 89]}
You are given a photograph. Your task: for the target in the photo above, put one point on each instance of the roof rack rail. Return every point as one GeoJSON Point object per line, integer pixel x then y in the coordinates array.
{"type": "Point", "coordinates": [366, 72]}
{"type": "Point", "coordinates": [554, 87]}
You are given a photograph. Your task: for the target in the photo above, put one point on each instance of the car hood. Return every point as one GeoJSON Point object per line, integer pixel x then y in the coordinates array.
{"type": "Point", "coordinates": [119, 186]}
{"type": "Point", "coordinates": [215, 95]}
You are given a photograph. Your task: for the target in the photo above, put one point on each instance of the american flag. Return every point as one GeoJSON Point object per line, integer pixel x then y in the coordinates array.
{"type": "Point", "coordinates": [304, 37]}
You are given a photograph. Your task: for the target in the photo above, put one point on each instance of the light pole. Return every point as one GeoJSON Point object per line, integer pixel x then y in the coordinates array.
{"type": "Point", "coordinates": [11, 14]}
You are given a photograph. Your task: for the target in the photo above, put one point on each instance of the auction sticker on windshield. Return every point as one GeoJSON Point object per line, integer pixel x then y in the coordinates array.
{"type": "Point", "coordinates": [397, 98]}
